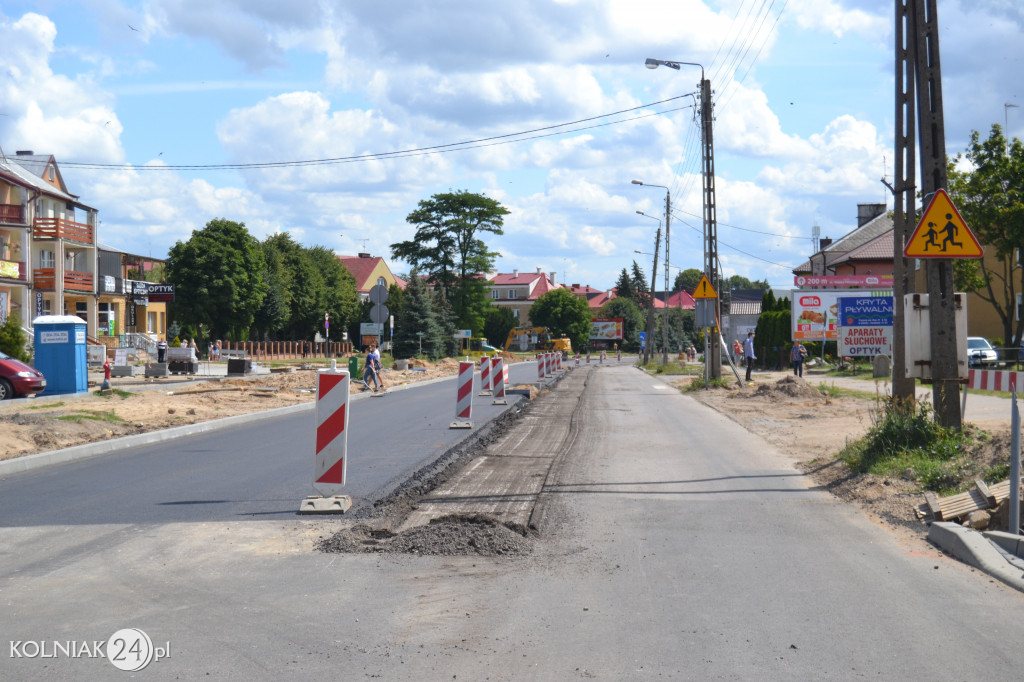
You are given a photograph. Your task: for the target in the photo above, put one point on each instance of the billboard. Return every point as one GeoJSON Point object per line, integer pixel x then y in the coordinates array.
{"type": "Point", "coordinates": [865, 326]}
{"type": "Point", "coordinates": [816, 312]}
{"type": "Point", "coordinates": [606, 329]}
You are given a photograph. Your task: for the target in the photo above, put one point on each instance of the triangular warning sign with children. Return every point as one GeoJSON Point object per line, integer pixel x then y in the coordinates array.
{"type": "Point", "coordinates": [942, 233]}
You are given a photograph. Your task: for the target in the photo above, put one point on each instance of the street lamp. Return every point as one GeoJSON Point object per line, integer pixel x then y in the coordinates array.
{"type": "Point", "coordinates": [713, 350]}
{"type": "Point", "coordinates": [654, 280]}
{"type": "Point", "coordinates": [668, 214]}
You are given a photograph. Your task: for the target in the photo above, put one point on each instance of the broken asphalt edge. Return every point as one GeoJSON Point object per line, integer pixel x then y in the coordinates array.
{"type": "Point", "coordinates": [975, 549]}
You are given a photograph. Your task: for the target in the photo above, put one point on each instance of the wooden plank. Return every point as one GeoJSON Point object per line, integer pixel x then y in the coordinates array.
{"type": "Point", "coordinates": [960, 505]}
{"type": "Point", "coordinates": [932, 500]}
{"type": "Point", "coordinates": [983, 489]}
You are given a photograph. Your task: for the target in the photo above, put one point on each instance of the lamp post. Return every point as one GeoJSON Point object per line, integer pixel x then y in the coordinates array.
{"type": "Point", "coordinates": [714, 357]}
{"type": "Point", "coordinates": [668, 220]}
{"type": "Point", "coordinates": [654, 276]}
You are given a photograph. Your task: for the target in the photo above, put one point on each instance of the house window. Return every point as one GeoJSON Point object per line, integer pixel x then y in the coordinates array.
{"type": "Point", "coordinates": [150, 323]}
{"type": "Point", "coordinates": [82, 310]}
{"type": "Point", "coordinates": [494, 294]}
{"type": "Point", "coordinates": [511, 293]}
{"type": "Point", "coordinates": [515, 313]}
{"type": "Point", "coordinates": [105, 314]}
{"type": "Point", "coordinates": [382, 282]}
{"type": "Point", "coordinates": [46, 259]}
{"type": "Point", "coordinates": [52, 174]}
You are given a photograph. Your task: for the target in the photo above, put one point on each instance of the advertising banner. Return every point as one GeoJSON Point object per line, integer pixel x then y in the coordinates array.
{"type": "Point", "coordinates": [160, 293]}
{"type": "Point", "coordinates": [607, 329]}
{"type": "Point", "coordinates": [865, 326]}
{"type": "Point", "coordinates": [832, 281]}
{"type": "Point", "coordinates": [9, 269]}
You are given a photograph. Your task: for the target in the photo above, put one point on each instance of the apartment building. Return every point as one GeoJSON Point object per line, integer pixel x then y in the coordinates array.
{"type": "Point", "coordinates": [51, 239]}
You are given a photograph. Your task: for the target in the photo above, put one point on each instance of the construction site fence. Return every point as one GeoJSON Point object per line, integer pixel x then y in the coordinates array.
{"type": "Point", "coordinates": [284, 350]}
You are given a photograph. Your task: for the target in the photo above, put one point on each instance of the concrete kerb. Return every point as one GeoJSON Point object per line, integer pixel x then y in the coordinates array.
{"type": "Point", "coordinates": [974, 549]}
{"type": "Point", "coordinates": [89, 450]}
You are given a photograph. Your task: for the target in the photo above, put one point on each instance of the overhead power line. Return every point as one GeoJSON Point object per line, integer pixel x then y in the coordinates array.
{"type": "Point", "coordinates": [507, 138]}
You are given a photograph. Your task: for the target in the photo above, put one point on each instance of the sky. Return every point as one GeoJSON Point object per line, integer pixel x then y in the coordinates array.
{"type": "Point", "coordinates": [337, 118]}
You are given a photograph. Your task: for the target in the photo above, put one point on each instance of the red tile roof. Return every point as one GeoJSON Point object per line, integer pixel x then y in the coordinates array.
{"type": "Point", "coordinates": [361, 269]}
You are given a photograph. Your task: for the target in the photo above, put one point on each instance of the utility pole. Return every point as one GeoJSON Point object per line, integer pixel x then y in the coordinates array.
{"type": "Point", "coordinates": [710, 220]}
{"type": "Point", "coordinates": [904, 193]}
{"type": "Point", "coordinates": [939, 272]}
{"type": "Point", "coordinates": [664, 315]}
{"type": "Point", "coordinates": [650, 302]}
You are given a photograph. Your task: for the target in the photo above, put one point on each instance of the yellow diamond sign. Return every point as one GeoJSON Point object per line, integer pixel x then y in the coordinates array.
{"type": "Point", "coordinates": [942, 233]}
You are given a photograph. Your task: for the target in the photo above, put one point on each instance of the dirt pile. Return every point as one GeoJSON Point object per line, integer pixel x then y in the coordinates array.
{"type": "Point", "coordinates": [449, 536]}
{"type": "Point", "coordinates": [789, 386]}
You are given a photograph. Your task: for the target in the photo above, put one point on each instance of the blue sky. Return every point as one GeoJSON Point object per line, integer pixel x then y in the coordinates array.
{"type": "Point", "coordinates": [803, 107]}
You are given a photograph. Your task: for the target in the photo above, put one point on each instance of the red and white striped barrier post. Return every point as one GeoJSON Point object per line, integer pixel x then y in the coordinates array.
{"type": "Point", "coordinates": [603, 356]}
{"type": "Point", "coordinates": [550, 367]}
{"type": "Point", "coordinates": [504, 372]}
{"type": "Point", "coordinates": [464, 397]}
{"type": "Point", "coordinates": [330, 461]}
{"type": "Point", "coordinates": [588, 356]}
{"type": "Point", "coordinates": [498, 372]}
{"type": "Point", "coordinates": [577, 359]}
{"type": "Point", "coordinates": [485, 376]}
{"type": "Point", "coordinates": [540, 365]}
{"type": "Point", "coordinates": [995, 380]}
{"type": "Point", "coordinates": [558, 361]}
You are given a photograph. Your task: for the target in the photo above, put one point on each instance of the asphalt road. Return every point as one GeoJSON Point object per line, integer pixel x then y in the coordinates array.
{"type": "Point", "coordinates": [259, 470]}
{"type": "Point", "coordinates": [675, 545]}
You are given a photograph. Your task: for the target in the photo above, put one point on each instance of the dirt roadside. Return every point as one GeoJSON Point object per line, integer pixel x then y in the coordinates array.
{"type": "Point", "coordinates": [55, 422]}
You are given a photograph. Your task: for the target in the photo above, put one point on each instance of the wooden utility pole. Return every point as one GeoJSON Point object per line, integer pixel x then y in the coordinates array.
{"type": "Point", "coordinates": [650, 303]}
{"type": "Point", "coordinates": [939, 272]}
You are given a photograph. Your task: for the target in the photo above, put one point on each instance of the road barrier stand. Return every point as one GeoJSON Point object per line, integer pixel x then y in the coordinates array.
{"type": "Point", "coordinates": [464, 397]}
{"type": "Point", "coordinates": [485, 376]}
{"type": "Point", "coordinates": [330, 461]}
{"type": "Point", "coordinates": [541, 360]}
{"type": "Point", "coordinates": [504, 372]}
{"type": "Point", "coordinates": [603, 356]}
{"type": "Point", "coordinates": [498, 371]}
{"type": "Point", "coordinates": [588, 357]}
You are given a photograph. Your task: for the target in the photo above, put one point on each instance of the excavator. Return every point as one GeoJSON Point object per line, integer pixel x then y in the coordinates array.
{"type": "Point", "coordinates": [537, 338]}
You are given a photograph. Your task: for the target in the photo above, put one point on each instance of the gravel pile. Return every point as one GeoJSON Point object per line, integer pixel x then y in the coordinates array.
{"type": "Point", "coordinates": [448, 536]}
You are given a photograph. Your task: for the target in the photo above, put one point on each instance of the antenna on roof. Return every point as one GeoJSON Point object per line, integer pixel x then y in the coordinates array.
{"type": "Point", "coordinates": [364, 242]}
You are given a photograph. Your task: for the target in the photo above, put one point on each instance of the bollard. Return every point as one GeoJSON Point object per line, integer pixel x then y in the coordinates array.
{"type": "Point", "coordinates": [540, 366]}
{"type": "Point", "coordinates": [603, 355]}
{"type": "Point", "coordinates": [577, 360]}
{"type": "Point", "coordinates": [497, 372]}
{"type": "Point", "coordinates": [464, 397]}
{"type": "Point", "coordinates": [330, 462]}
{"type": "Point", "coordinates": [485, 376]}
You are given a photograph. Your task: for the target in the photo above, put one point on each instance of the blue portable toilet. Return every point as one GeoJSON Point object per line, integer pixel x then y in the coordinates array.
{"type": "Point", "coordinates": [60, 353]}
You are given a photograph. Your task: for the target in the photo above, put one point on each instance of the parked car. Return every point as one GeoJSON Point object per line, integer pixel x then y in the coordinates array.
{"type": "Point", "coordinates": [17, 378]}
{"type": "Point", "coordinates": [980, 352]}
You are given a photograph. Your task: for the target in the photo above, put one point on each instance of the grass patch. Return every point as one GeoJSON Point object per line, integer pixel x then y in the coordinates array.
{"type": "Point", "coordinates": [674, 367]}
{"type": "Point", "coordinates": [45, 406]}
{"type": "Point", "coordinates": [833, 391]}
{"type": "Point", "coordinates": [906, 442]}
{"type": "Point", "coordinates": [111, 392]}
{"type": "Point", "coordinates": [699, 384]}
{"type": "Point", "coordinates": [77, 417]}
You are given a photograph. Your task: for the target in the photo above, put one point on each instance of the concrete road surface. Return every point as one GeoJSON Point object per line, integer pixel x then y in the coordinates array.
{"type": "Point", "coordinates": [675, 545]}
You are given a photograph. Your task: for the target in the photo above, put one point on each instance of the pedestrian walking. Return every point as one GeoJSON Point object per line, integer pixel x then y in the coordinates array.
{"type": "Point", "coordinates": [748, 354]}
{"type": "Point", "coordinates": [369, 372]}
{"type": "Point", "coordinates": [161, 351]}
{"type": "Point", "coordinates": [797, 355]}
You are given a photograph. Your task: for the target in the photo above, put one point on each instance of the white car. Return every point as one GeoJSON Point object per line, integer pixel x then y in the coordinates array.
{"type": "Point", "coordinates": [980, 352]}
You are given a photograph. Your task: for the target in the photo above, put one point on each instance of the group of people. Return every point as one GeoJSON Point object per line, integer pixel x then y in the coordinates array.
{"type": "Point", "coordinates": [372, 368]}
{"type": "Point", "coordinates": [797, 355]}
{"type": "Point", "coordinates": [214, 351]}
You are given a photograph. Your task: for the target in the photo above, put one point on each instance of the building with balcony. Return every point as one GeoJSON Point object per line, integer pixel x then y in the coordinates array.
{"type": "Point", "coordinates": [125, 304]}
{"type": "Point", "coordinates": [519, 291]}
{"type": "Point", "coordinates": [57, 258]}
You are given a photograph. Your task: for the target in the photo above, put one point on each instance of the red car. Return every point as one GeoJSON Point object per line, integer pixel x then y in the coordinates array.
{"type": "Point", "coordinates": [17, 378]}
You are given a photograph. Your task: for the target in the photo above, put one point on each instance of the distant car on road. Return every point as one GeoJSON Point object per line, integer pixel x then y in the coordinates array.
{"type": "Point", "coordinates": [980, 352]}
{"type": "Point", "coordinates": [17, 378]}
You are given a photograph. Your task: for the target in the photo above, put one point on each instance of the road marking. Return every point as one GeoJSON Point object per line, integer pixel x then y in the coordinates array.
{"type": "Point", "coordinates": [660, 386]}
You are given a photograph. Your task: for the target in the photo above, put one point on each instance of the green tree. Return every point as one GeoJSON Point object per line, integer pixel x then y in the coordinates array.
{"type": "Point", "coordinates": [498, 323]}
{"type": "Point", "coordinates": [687, 280]}
{"type": "Point", "coordinates": [632, 320]}
{"type": "Point", "coordinates": [681, 328]}
{"type": "Point", "coordinates": [218, 279]}
{"type": "Point", "coordinates": [416, 326]}
{"type": "Point", "coordinates": [448, 248]}
{"type": "Point", "coordinates": [640, 286]}
{"type": "Point", "coordinates": [446, 321]}
{"type": "Point", "coordinates": [990, 198]}
{"type": "Point", "coordinates": [12, 338]}
{"type": "Point", "coordinates": [339, 297]}
{"type": "Point", "coordinates": [564, 314]}
{"type": "Point", "coordinates": [272, 315]}
{"type": "Point", "coordinates": [741, 282]}
{"type": "Point", "coordinates": [624, 287]}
